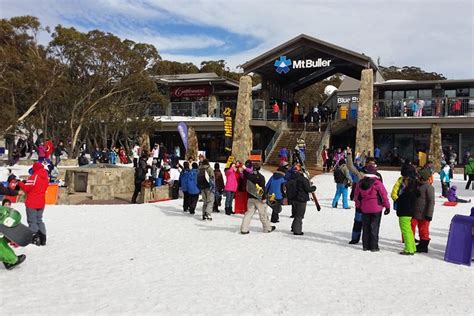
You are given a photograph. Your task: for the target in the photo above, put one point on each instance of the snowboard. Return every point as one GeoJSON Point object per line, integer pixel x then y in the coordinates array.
{"type": "Point", "coordinates": [20, 234]}
{"type": "Point", "coordinates": [306, 173]}
{"type": "Point", "coordinates": [255, 190]}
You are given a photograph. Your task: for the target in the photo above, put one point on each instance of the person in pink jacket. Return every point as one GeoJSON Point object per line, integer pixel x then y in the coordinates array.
{"type": "Point", "coordinates": [230, 188]}
{"type": "Point", "coordinates": [371, 197]}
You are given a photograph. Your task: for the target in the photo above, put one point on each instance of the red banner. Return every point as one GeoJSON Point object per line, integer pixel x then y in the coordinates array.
{"type": "Point", "coordinates": [190, 91]}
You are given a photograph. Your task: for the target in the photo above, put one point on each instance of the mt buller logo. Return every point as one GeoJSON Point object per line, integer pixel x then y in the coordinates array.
{"type": "Point", "coordinates": [282, 65]}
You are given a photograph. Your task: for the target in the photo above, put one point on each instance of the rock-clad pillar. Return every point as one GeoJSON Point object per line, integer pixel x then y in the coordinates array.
{"type": "Point", "coordinates": [365, 134]}
{"type": "Point", "coordinates": [192, 143]}
{"type": "Point", "coordinates": [242, 144]}
{"type": "Point", "coordinates": [212, 106]}
{"type": "Point", "coordinates": [436, 149]}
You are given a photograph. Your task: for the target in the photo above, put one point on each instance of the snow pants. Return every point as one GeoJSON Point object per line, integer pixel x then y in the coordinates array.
{"type": "Point", "coordinates": [185, 201]}
{"type": "Point", "coordinates": [407, 233]}
{"type": "Point", "coordinates": [276, 209]}
{"type": "Point", "coordinates": [138, 189]}
{"type": "Point", "coordinates": [193, 199]}
{"type": "Point", "coordinates": [34, 218]}
{"type": "Point", "coordinates": [217, 201]}
{"type": "Point", "coordinates": [6, 253]}
{"type": "Point", "coordinates": [357, 227]}
{"type": "Point", "coordinates": [340, 190]}
{"type": "Point", "coordinates": [300, 210]}
{"type": "Point", "coordinates": [370, 232]}
{"type": "Point", "coordinates": [423, 228]}
{"type": "Point", "coordinates": [229, 198]}
{"type": "Point", "coordinates": [252, 206]}
{"type": "Point", "coordinates": [208, 201]}
{"type": "Point", "coordinates": [470, 179]}
{"type": "Point", "coordinates": [444, 189]}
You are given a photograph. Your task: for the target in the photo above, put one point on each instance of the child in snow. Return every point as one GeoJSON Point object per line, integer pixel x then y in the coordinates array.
{"type": "Point", "coordinates": [424, 207]}
{"type": "Point", "coordinates": [193, 190]}
{"type": "Point", "coordinates": [275, 187]}
{"type": "Point", "coordinates": [405, 211]}
{"type": "Point", "coordinates": [452, 196]}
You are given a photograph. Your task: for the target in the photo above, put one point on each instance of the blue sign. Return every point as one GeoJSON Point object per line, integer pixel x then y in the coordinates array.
{"type": "Point", "coordinates": [282, 65]}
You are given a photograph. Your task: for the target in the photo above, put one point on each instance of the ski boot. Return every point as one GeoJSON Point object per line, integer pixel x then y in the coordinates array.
{"type": "Point", "coordinates": [10, 266]}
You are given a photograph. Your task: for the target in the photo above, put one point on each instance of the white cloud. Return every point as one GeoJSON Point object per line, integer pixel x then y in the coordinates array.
{"type": "Point", "coordinates": [436, 35]}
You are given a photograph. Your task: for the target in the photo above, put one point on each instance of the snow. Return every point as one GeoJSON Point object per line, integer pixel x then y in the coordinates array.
{"type": "Point", "coordinates": [155, 259]}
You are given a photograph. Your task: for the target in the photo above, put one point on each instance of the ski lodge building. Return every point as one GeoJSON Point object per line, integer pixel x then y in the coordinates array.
{"type": "Point", "coordinates": [365, 110]}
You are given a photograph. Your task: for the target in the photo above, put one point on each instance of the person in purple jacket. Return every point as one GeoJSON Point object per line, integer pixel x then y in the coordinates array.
{"type": "Point", "coordinates": [453, 197]}
{"type": "Point", "coordinates": [371, 197]}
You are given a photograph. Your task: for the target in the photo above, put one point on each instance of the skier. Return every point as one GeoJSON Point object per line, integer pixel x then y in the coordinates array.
{"type": "Point", "coordinates": [343, 182]}
{"type": "Point", "coordinates": [256, 202]}
{"type": "Point", "coordinates": [371, 197]}
{"type": "Point", "coordinates": [206, 183]}
{"type": "Point", "coordinates": [35, 189]}
{"type": "Point", "coordinates": [275, 186]}
{"type": "Point", "coordinates": [303, 189]}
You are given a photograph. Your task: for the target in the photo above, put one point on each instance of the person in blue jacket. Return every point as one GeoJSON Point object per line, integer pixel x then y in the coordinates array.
{"type": "Point", "coordinates": [184, 185]}
{"type": "Point", "coordinates": [191, 186]}
{"type": "Point", "coordinates": [275, 186]}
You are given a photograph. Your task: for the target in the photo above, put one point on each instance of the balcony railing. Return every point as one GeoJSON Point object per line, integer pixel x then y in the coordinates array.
{"type": "Point", "coordinates": [437, 107]}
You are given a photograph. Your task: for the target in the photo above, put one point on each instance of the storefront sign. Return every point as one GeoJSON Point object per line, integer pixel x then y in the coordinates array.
{"type": "Point", "coordinates": [190, 91]}
{"type": "Point", "coordinates": [347, 100]}
{"type": "Point", "coordinates": [283, 65]}
{"type": "Point", "coordinates": [228, 129]}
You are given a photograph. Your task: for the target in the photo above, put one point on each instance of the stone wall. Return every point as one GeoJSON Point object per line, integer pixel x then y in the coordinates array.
{"type": "Point", "coordinates": [121, 180]}
{"type": "Point", "coordinates": [242, 143]}
{"type": "Point", "coordinates": [192, 143]}
{"type": "Point", "coordinates": [365, 135]}
{"type": "Point", "coordinates": [436, 149]}
{"type": "Point", "coordinates": [212, 106]}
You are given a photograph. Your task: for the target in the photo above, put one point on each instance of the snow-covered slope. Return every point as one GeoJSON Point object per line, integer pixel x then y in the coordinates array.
{"type": "Point", "coordinates": [154, 259]}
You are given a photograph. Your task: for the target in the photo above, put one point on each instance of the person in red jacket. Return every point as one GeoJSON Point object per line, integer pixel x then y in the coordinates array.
{"type": "Point", "coordinates": [35, 189]}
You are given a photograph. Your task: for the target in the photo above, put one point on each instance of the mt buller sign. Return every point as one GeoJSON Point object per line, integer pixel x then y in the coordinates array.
{"type": "Point", "coordinates": [283, 64]}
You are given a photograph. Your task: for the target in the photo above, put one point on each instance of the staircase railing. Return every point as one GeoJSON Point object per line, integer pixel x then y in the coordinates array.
{"type": "Point", "coordinates": [271, 144]}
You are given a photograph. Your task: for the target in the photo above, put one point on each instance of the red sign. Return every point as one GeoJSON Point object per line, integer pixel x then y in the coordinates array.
{"type": "Point", "coordinates": [190, 91]}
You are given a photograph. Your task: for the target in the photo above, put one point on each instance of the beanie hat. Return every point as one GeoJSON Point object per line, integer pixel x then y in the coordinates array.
{"type": "Point", "coordinates": [371, 169]}
{"type": "Point", "coordinates": [425, 174]}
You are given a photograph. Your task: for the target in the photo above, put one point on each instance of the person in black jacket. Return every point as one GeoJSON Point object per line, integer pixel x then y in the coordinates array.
{"type": "Point", "coordinates": [256, 201]}
{"type": "Point", "coordinates": [304, 188]}
{"type": "Point", "coordinates": [219, 190]}
{"type": "Point", "coordinates": [405, 212]}
{"type": "Point", "coordinates": [140, 174]}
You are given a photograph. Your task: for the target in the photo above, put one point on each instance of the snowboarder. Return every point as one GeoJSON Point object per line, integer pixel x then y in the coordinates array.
{"type": "Point", "coordinates": [256, 201]}
{"type": "Point", "coordinates": [343, 182]}
{"type": "Point", "coordinates": [275, 186]}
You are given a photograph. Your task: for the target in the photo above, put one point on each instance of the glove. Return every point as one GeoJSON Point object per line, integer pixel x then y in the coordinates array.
{"type": "Point", "coordinates": [387, 211]}
{"type": "Point", "coordinates": [312, 188]}
{"type": "Point", "coordinates": [428, 218]}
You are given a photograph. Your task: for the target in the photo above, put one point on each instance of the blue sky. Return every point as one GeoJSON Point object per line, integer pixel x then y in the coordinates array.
{"type": "Point", "coordinates": [436, 35]}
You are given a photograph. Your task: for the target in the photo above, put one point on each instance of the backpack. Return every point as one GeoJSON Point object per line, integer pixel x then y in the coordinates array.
{"type": "Point", "coordinates": [291, 189]}
{"type": "Point", "coordinates": [339, 176]}
{"type": "Point", "coordinates": [202, 179]}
